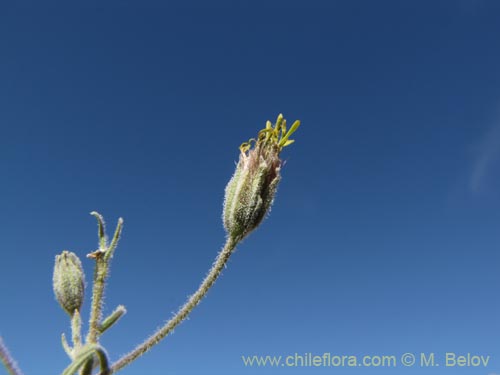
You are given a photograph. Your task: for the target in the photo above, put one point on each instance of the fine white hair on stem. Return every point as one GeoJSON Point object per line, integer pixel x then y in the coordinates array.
{"type": "Point", "coordinates": [7, 360]}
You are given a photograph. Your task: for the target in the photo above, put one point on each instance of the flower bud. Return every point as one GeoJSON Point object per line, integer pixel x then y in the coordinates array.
{"type": "Point", "coordinates": [251, 191]}
{"type": "Point", "coordinates": [69, 281]}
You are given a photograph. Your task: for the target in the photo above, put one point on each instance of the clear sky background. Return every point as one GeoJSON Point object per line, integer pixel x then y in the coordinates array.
{"type": "Point", "coordinates": [385, 234]}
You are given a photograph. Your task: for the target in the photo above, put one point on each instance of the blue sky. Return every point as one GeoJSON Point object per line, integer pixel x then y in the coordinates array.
{"type": "Point", "coordinates": [385, 234]}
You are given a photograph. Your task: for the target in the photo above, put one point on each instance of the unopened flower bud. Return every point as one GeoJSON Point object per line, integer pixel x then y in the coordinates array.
{"type": "Point", "coordinates": [251, 191]}
{"type": "Point", "coordinates": [69, 281]}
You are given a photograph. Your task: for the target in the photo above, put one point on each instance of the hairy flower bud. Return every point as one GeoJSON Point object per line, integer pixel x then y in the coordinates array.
{"type": "Point", "coordinates": [69, 281]}
{"type": "Point", "coordinates": [250, 192]}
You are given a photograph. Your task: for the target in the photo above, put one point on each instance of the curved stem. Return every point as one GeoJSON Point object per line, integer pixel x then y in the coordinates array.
{"type": "Point", "coordinates": [8, 361]}
{"type": "Point", "coordinates": [184, 311]}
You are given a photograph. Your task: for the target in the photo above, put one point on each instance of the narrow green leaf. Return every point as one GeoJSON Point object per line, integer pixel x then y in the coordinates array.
{"type": "Point", "coordinates": [112, 318]}
{"type": "Point", "coordinates": [101, 232]}
{"type": "Point", "coordinates": [82, 358]}
{"type": "Point", "coordinates": [103, 360]}
{"type": "Point", "coordinates": [114, 241]}
{"type": "Point", "coordinates": [66, 346]}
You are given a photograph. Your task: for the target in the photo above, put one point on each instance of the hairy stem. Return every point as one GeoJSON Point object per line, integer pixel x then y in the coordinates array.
{"type": "Point", "coordinates": [112, 318]}
{"type": "Point", "coordinates": [102, 257]}
{"type": "Point", "coordinates": [8, 361]}
{"type": "Point", "coordinates": [184, 311]}
{"type": "Point", "coordinates": [76, 330]}
{"type": "Point", "coordinates": [100, 274]}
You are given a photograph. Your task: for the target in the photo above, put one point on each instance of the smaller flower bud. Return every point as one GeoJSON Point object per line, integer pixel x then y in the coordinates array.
{"type": "Point", "coordinates": [69, 281]}
{"type": "Point", "coordinates": [251, 191]}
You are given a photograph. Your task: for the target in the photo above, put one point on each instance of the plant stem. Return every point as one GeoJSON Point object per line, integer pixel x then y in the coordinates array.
{"type": "Point", "coordinates": [76, 330]}
{"type": "Point", "coordinates": [8, 361]}
{"type": "Point", "coordinates": [184, 311]}
{"type": "Point", "coordinates": [102, 257]}
{"type": "Point", "coordinates": [100, 274]}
